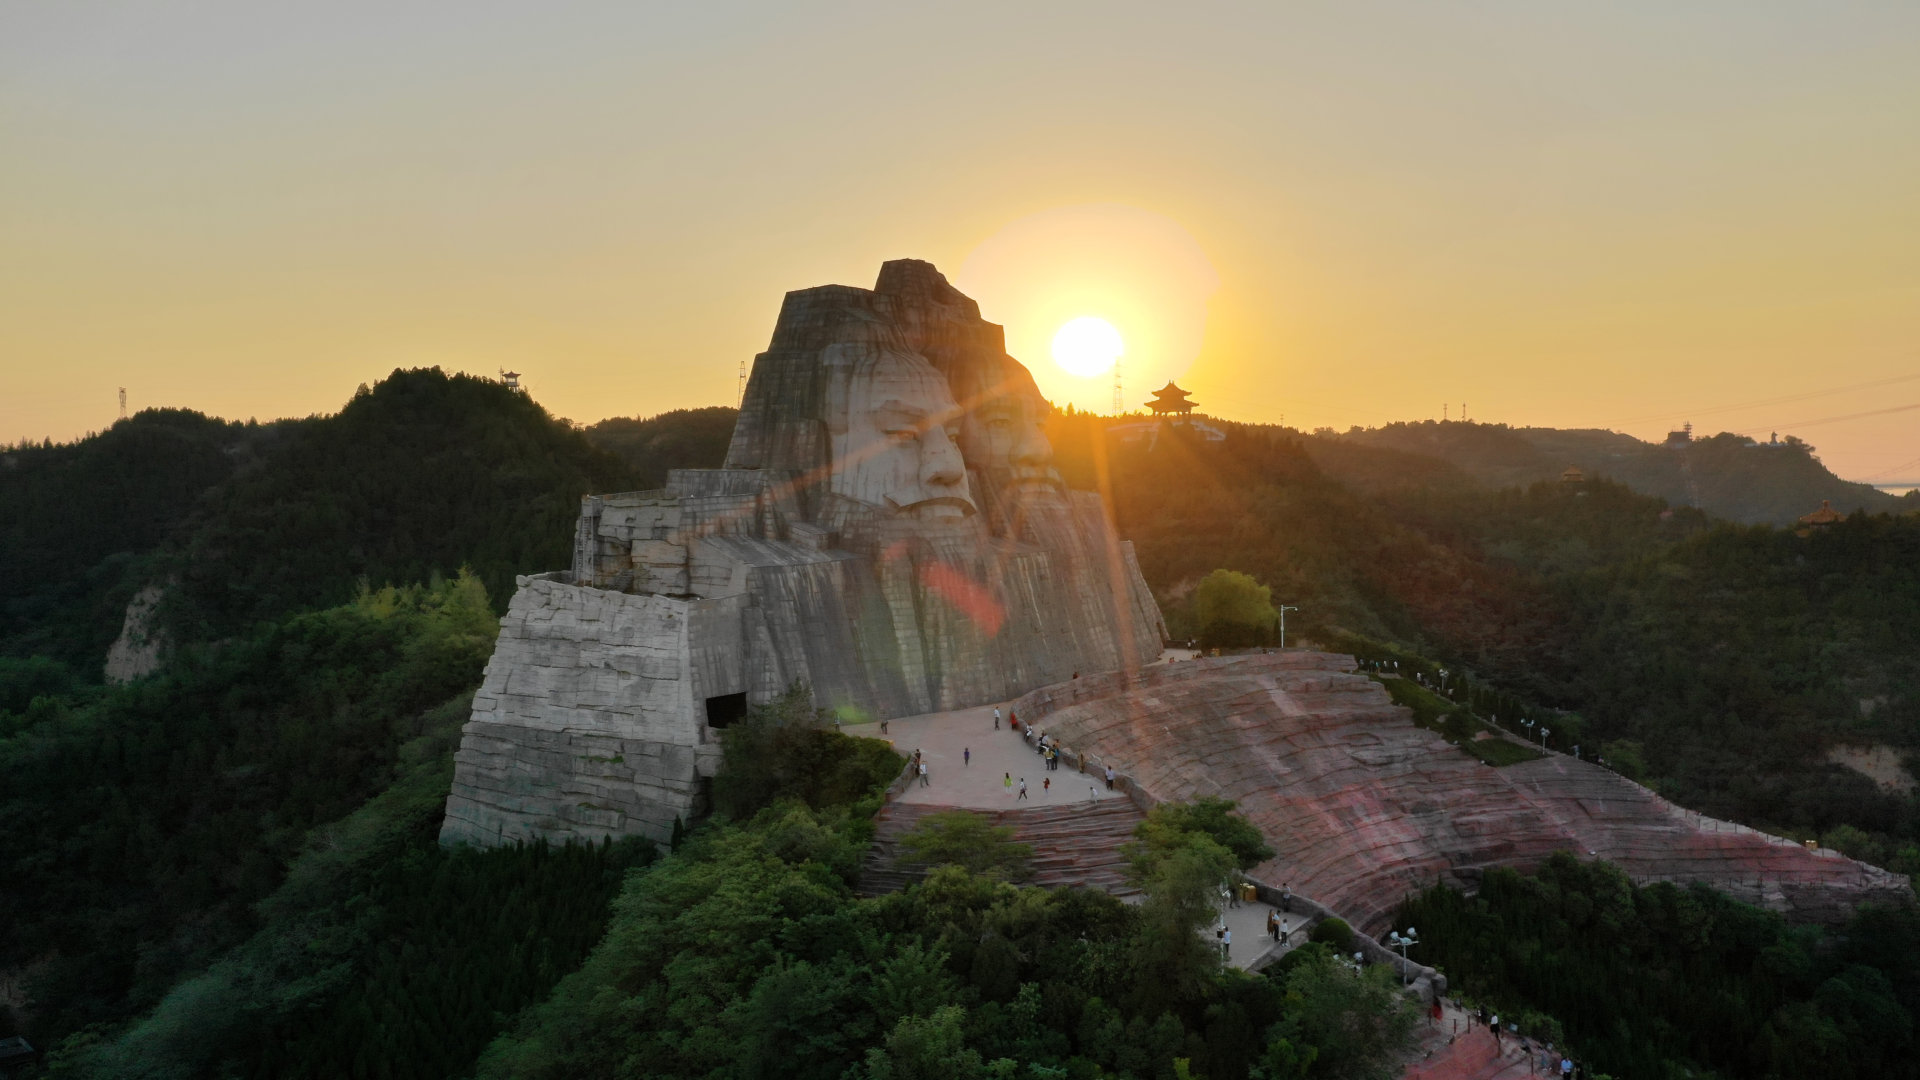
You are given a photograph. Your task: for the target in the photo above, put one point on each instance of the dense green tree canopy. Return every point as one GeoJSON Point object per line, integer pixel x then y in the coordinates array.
{"type": "Point", "coordinates": [1233, 608]}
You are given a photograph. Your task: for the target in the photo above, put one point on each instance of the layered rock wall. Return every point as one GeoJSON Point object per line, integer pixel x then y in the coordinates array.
{"type": "Point", "coordinates": [1364, 807]}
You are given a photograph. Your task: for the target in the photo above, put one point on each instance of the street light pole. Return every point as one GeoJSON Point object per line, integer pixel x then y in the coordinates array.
{"type": "Point", "coordinates": [1403, 942]}
{"type": "Point", "coordinates": [1284, 608]}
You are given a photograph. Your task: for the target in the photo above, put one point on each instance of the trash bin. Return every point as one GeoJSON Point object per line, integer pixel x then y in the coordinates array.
{"type": "Point", "coordinates": [1248, 891]}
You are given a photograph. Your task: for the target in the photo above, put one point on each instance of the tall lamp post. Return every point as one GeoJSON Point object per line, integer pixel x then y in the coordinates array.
{"type": "Point", "coordinates": [1403, 942]}
{"type": "Point", "coordinates": [1284, 608]}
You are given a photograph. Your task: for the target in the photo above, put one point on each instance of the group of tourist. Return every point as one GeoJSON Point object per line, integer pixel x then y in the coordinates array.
{"type": "Point", "coordinates": [1277, 927]}
{"type": "Point", "coordinates": [1549, 1061]}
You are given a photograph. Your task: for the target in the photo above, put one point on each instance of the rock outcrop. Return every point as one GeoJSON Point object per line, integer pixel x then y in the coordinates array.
{"type": "Point", "coordinates": [1363, 807]}
{"type": "Point", "coordinates": [888, 530]}
{"type": "Point", "coordinates": [142, 644]}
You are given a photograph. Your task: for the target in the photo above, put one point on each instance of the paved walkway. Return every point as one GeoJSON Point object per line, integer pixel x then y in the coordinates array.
{"type": "Point", "coordinates": [947, 739]}
{"type": "Point", "coordinates": [1251, 942]}
{"type": "Point", "coordinates": [968, 764]}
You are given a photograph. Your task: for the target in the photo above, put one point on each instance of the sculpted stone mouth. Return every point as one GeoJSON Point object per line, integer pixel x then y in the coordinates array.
{"type": "Point", "coordinates": [944, 508]}
{"type": "Point", "coordinates": [1028, 478]}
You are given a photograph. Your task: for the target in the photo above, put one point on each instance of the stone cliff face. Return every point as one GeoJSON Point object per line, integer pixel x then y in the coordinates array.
{"type": "Point", "coordinates": [889, 530]}
{"type": "Point", "coordinates": [1362, 806]}
{"type": "Point", "coordinates": [578, 729]}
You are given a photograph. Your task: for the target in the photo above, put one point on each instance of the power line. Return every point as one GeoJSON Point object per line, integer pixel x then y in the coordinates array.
{"type": "Point", "coordinates": [1832, 419]}
{"type": "Point", "coordinates": [1900, 468]}
{"type": "Point", "coordinates": [1785, 400]}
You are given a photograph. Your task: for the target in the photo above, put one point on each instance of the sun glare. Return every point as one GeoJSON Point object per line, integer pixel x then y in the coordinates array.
{"type": "Point", "coordinates": [1048, 277]}
{"type": "Point", "coordinates": [1087, 346]}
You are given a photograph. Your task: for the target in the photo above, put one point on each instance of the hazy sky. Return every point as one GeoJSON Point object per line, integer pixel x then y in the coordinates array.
{"type": "Point", "coordinates": [1607, 214]}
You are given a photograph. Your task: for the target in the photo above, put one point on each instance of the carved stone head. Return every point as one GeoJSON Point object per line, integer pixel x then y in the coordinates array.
{"type": "Point", "coordinates": [1002, 432]}
{"type": "Point", "coordinates": [894, 429]}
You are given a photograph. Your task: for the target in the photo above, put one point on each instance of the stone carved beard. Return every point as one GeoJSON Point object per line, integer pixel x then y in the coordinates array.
{"type": "Point", "coordinates": [894, 432]}
{"type": "Point", "coordinates": [1005, 443]}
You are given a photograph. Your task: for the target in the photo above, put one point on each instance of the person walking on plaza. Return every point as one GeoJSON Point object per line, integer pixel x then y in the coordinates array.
{"type": "Point", "coordinates": [996, 718]}
{"type": "Point", "coordinates": [1273, 925]}
{"type": "Point", "coordinates": [1046, 784]}
{"type": "Point", "coordinates": [1226, 943]}
{"type": "Point", "coordinates": [1109, 778]}
{"type": "Point", "coordinates": [966, 756]}
{"type": "Point", "coordinates": [1286, 898]}
{"type": "Point", "coordinates": [1009, 782]}
{"type": "Point", "coordinates": [923, 775]}
{"type": "Point", "coordinates": [1023, 789]}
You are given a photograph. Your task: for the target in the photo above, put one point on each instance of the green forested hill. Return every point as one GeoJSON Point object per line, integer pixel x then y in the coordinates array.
{"type": "Point", "coordinates": [681, 439]}
{"type": "Point", "coordinates": [422, 474]}
{"type": "Point", "coordinates": [1727, 475]}
{"type": "Point", "coordinates": [265, 808]}
{"type": "Point", "coordinates": [76, 520]}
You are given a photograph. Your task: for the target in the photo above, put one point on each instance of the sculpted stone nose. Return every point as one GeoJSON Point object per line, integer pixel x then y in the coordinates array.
{"type": "Point", "coordinates": [1033, 447]}
{"type": "Point", "coordinates": [940, 462]}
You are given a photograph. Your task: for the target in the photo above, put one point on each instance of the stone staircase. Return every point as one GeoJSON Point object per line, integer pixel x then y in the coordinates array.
{"type": "Point", "coordinates": [1471, 1055]}
{"type": "Point", "coordinates": [1073, 844]}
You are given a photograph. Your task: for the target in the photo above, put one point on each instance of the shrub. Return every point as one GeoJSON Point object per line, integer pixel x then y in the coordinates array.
{"type": "Point", "coordinates": [969, 841]}
{"type": "Point", "coordinates": [784, 750]}
{"type": "Point", "coordinates": [1333, 931]}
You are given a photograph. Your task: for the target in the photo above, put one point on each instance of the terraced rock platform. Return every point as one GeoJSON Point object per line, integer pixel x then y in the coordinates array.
{"type": "Point", "coordinates": [1363, 807]}
{"type": "Point", "coordinates": [1073, 843]}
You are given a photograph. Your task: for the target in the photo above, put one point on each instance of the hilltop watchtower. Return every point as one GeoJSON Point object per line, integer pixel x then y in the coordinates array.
{"type": "Point", "coordinates": [1170, 400]}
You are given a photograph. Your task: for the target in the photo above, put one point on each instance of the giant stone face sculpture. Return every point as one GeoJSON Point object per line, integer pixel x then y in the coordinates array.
{"type": "Point", "coordinates": [888, 530]}
{"type": "Point", "coordinates": [895, 434]}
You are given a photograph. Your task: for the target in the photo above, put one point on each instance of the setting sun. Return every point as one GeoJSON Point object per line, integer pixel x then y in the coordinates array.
{"type": "Point", "coordinates": [1087, 346]}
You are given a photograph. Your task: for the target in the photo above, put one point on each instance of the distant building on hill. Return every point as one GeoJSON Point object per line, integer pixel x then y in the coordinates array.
{"type": "Point", "coordinates": [1820, 518]}
{"type": "Point", "coordinates": [1170, 399]}
{"type": "Point", "coordinates": [1573, 476]}
{"type": "Point", "coordinates": [1680, 440]}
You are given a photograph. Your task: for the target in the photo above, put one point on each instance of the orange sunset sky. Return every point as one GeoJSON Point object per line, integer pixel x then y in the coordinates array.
{"type": "Point", "coordinates": [1621, 215]}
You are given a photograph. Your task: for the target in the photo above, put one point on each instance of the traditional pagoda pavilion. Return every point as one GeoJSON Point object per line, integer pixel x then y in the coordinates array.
{"type": "Point", "coordinates": [1824, 516]}
{"type": "Point", "coordinates": [1170, 399]}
